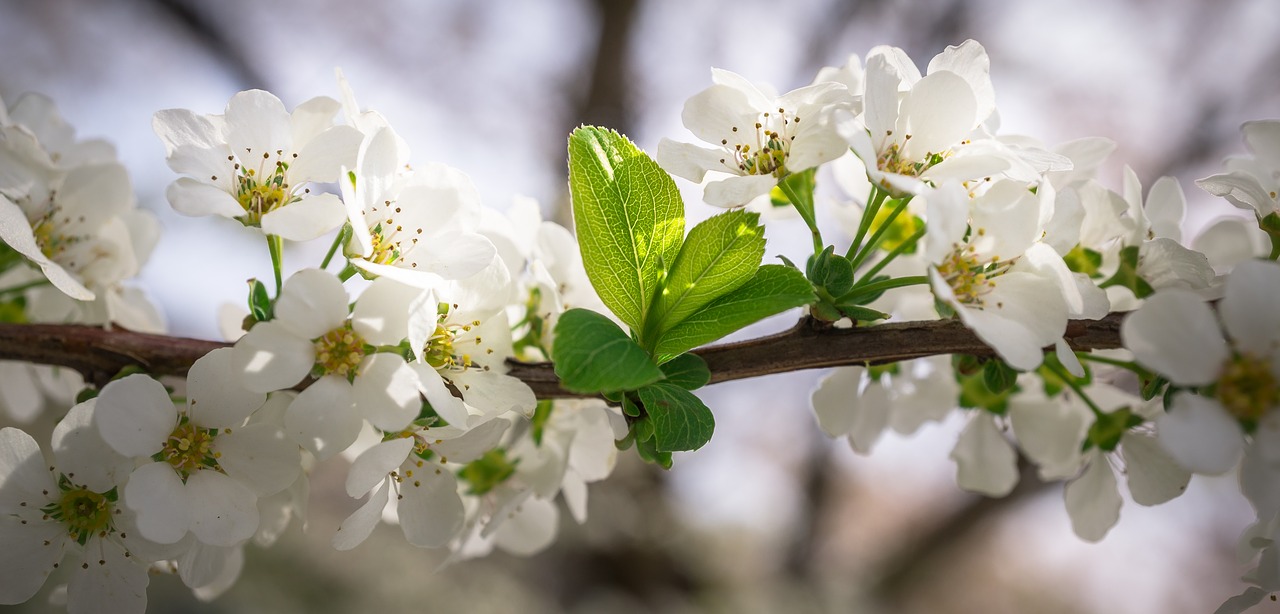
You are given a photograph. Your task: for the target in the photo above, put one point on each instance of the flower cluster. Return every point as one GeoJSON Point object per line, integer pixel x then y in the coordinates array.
{"type": "Point", "coordinates": [394, 353]}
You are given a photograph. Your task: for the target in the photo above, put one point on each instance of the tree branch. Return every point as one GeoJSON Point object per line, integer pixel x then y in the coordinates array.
{"type": "Point", "coordinates": [99, 354]}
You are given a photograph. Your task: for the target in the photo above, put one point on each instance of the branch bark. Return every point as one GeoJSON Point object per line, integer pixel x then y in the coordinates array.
{"type": "Point", "coordinates": [99, 354]}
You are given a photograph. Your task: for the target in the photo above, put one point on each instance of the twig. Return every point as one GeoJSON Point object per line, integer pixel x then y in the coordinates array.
{"type": "Point", "coordinates": [99, 354]}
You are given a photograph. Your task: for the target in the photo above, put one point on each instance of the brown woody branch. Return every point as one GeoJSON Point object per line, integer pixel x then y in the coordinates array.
{"type": "Point", "coordinates": [99, 354]}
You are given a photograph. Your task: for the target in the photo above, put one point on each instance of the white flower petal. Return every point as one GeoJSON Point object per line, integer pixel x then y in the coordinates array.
{"type": "Point", "coordinates": [201, 564]}
{"type": "Point", "coordinates": [1200, 435]}
{"type": "Point", "coordinates": [16, 232]}
{"type": "Point", "coordinates": [940, 110]}
{"type": "Point", "coordinates": [1153, 476]}
{"type": "Point", "coordinates": [24, 477]}
{"type": "Point", "coordinates": [81, 454]}
{"type": "Point", "coordinates": [373, 465]}
{"type": "Point", "coordinates": [261, 456]}
{"type": "Point", "coordinates": [1050, 433]}
{"type": "Point", "coordinates": [438, 395]}
{"type": "Point", "coordinates": [689, 161]}
{"type": "Point", "coordinates": [381, 315]}
{"type": "Point", "coordinates": [985, 462]}
{"type": "Point", "coordinates": [530, 529]}
{"type": "Point", "coordinates": [270, 357]}
{"type": "Point", "coordinates": [835, 398]}
{"type": "Point", "coordinates": [224, 512]}
{"type": "Point", "coordinates": [1248, 308]}
{"type": "Point", "coordinates": [321, 159]}
{"type": "Point", "coordinates": [474, 443]}
{"type": "Point", "coordinates": [1093, 500]}
{"type": "Point", "coordinates": [735, 191]}
{"type": "Point", "coordinates": [28, 552]}
{"type": "Point", "coordinates": [1260, 471]}
{"type": "Point", "coordinates": [495, 393]}
{"type": "Point", "coordinates": [357, 527]}
{"type": "Point", "coordinates": [386, 392]}
{"type": "Point", "coordinates": [135, 415]}
{"type": "Point", "coordinates": [1176, 334]}
{"type": "Point", "coordinates": [307, 219]}
{"type": "Point", "coordinates": [430, 509]}
{"type": "Point", "coordinates": [870, 419]}
{"type": "Point", "coordinates": [216, 398]}
{"type": "Point", "coordinates": [159, 498]}
{"type": "Point", "coordinates": [712, 113]}
{"type": "Point", "coordinates": [969, 60]}
{"type": "Point", "coordinates": [112, 582]}
{"type": "Point", "coordinates": [196, 198]}
{"type": "Point", "coordinates": [257, 124]}
{"type": "Point", "coordinates": [312, 303]}
{"type": "Point", "coordinates": [323, 418]}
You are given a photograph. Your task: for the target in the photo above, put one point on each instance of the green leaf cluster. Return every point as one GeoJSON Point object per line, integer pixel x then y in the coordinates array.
{"type": "Point", "coordinates": [673, 292]}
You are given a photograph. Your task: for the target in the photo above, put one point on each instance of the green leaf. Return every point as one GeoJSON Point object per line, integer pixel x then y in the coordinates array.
{"type": "Point", "coordinates": [1084, 260]}
{"type": "Point", "coordinates": [592, 355]}
{"type": "Point", "coordinates": [680, 420]}
{"type": "Point", "coordinates": [773, 289]}
{"type": "Point", "coordinates": [859, 313]}
{"type": "Point", "coordinates": [628, 216]}
{"type": "Point", "coordinates": [259, 303]}
{"type": "Point", "coordinates": [719, 255]}
{"type": "Point", "coordinates": [646, 445]}
{"type": "Point", "coordinates": [688, 371]}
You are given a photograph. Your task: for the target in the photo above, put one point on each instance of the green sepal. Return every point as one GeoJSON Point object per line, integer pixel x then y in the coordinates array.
{"type": "Point", "coordinates": [592, 355]}
{"type": "Point", "coordinates": [541, 413]}
{"type": "Point", "coordinates": [1107, 429]}
{"type": "Point", "coordinates": [488, 472]}
{"type": "Point", "coordinates": [998, 376]}
{"type": "Point", "coordinates": [831, 272]}
{"type": "Point", "coordinates": [1084, 260]}
{"type": "Point", "coordinates": [1127, 275]}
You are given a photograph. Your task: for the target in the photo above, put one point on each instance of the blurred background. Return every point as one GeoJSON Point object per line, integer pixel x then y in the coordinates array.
{"type": "Point", "coordinates": [771, 515]}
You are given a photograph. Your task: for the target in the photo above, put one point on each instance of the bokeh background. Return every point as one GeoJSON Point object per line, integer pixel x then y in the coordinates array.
{"type": "Point", "coordinates": [770, 516]}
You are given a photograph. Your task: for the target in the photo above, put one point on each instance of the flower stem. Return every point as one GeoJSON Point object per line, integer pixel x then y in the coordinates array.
{"type": "Point", "coordinates": [1070, 381]}
{"type": "Point", "coordinates": [1123, 364]}
{"type": "Point", "coordinates": [342, 237]}
{"type": "Point", "coordinates": [878, 235]}
{"type": "Point", "coordinates": [347, 272]}
{"type": "Point", "coordinates": [24, 287]}
{"type": "Point", "coordinates": [886, 284]}
{"type": "Point", "coordinates": [897, 251]}
{"type": "Point", "coordinates": [276, 246]}
{"type": "Point", "coordinates": [804, 206]}
{"type": "Point", "coordinates": [868, 214]}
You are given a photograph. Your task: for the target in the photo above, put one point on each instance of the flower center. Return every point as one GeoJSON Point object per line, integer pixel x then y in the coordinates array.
{"type": "Point", "coordinates": [189, 448]}
{"type": "Point", "coordinates": [445, 349]}
{"type": "Point", "coordinates": [389, 236]}
{"type": "Point", "coordinates": [1247, 388]}
{"type": "Point", "coordinates": [339, 352]}
{"type": "Point", "coordinates": [768, 154]}
{"type": "Point", "coordinates": [263, 190]}
{"type": "Point", "coordinates": [968, 277]}
{"type": "Point", "coordinates": [84, 512]}
{"type": "Point", "coordinates": [893, 161]}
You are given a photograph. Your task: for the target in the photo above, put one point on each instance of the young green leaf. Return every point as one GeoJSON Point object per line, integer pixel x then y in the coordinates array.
{"type": "Point", "coordinates": [680, 420]}
{"type": "Point", "coordinates": [628, 216]}
{"type": "Point", "coordinates": [719, 255]}
{"type": "Point", "coordinates": [592, 355]}
{"type": "Point", "coordinates": [773, 289]}
{"type": "Point", "coordinates": [688, 371]}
